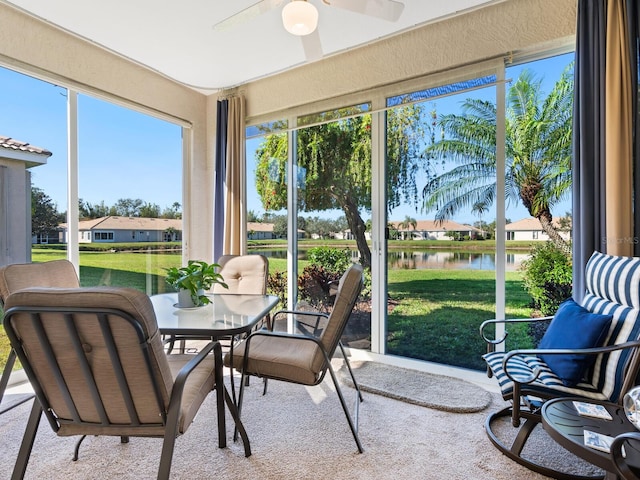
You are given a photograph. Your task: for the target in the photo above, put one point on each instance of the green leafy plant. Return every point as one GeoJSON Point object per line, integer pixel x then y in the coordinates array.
{"type": "Point", "coordinates": [197, 277]}
{"type": "Point", "coordinates": [547, 277]}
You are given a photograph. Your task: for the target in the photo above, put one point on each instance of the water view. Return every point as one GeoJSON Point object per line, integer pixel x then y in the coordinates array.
{"type": "Point", "coordinates": [430, 259]}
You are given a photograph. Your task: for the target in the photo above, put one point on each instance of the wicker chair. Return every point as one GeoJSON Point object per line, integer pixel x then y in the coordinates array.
{"type": "Point", "coordinates": [96, 361]}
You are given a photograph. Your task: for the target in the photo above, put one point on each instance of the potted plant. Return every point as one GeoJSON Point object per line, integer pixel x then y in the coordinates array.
{"type": "Point", "coordinates": [192, 281]}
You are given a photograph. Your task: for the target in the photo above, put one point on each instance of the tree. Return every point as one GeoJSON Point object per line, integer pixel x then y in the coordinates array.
{"type": "Point", "coordinates": [336, 160]}
{"type": "Point", "coordinates": [88, 211]}
{"type": "Point", "coordinates": [128, 207]}
{"type": "Point", "coordinates": [538, 153]}
{"type": "Point", "coordinates": [174, 211]}
{"type": "Point", "coordinates": [149, 210]}
{"type": "Point", "coordinates": [280, 226]}
{"type": "Point", "coordinates": [408, 222]}
{"type": "Point", "coordinates": [44, 214]}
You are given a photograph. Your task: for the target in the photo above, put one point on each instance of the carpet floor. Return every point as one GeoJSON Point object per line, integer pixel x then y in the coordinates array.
{"type": "Point", "coordinates": [296, 433]}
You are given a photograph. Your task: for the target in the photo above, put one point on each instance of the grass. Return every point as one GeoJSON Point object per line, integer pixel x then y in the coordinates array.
{"type": "Point", "coordinates": [435, 316]}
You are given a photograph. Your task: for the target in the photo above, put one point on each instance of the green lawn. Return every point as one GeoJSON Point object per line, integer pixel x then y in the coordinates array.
{"type": "Point", "coordinates": [434, 314]}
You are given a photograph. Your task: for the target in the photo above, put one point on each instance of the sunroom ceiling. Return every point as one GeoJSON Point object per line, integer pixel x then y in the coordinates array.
{"type": "Point", "coordinates": [178, 39]}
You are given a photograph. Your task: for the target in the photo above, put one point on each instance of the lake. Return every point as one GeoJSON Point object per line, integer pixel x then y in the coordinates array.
{"type": "Point", "coordinates": [431, 259]}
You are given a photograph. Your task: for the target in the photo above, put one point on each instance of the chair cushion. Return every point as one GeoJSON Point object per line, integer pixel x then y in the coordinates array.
{"type": "Point", "coordinates": [243, 274]}
{"type": "Point", "coordinates": [573, 327]}
{"type": "Point", "coordinates": [281, 358]}
{"type": "Point", "coordinates": [546, 385]}
{"type": "Point", "coordinates": [56, 273]}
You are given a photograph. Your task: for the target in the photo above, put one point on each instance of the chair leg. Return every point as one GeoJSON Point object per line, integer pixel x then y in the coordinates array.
{"type": "Point", "coordinates": [76, 450]}
{"type": "Point", "coordinates": [6, 373]}
{"type": "Point", "coordinates": [353, 378]}
{"type": "Point", "coordinates": [27, 442]}
{"type": "Point", "coordinates": [514, 452]}
{"type": "Point", "coordinates": [353, 425]}
{"type": "Point", "coordinates": [4, 382]}
{"type": "Point", "coordinates": [239, 427]}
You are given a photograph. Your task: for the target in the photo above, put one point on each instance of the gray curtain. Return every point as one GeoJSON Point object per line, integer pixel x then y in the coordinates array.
{"type": "Point", "coordinates": [222, 115]}
{"type": "Point", "coordinates": [606, 133]}
{"type": "Point", "coordinates": [589, 215]}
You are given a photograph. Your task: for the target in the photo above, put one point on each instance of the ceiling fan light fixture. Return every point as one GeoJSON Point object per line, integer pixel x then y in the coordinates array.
{"type": "Point", "coordinates": [300, 17]}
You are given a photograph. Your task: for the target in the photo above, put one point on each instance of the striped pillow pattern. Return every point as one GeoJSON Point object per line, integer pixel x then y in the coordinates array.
{"type": "Point", "coordinates": [613, 288]}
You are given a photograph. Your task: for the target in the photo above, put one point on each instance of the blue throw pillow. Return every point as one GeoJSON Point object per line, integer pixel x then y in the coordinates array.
{"type": "Point", "coordinates": [573, 327]}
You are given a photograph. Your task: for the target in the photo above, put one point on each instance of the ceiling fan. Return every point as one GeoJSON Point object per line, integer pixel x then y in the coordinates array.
{"type": "Point", "coordinates": [389, 10]}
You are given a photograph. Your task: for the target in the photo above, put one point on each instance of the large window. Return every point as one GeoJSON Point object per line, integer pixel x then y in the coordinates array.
{"type": "Point", "coordinates": [128, 175]}
{"type": "Point", "coordinates": [449, 193]}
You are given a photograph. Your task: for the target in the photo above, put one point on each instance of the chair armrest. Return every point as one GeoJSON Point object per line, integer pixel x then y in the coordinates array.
{"type": "Point", "coordinates": [301, 313]}
{"type": "Point", "coordinates": [559, 351]}
{"type": "Point", "coordinates": [183, 374]}
{"type": "Point", "coordinates": [492, 342]}
{"type": "Point", "coordinates": [617, 457]}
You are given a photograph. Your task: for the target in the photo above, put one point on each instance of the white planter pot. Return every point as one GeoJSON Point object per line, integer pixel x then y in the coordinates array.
{"type": "Point", "coordinates": [184, 299]}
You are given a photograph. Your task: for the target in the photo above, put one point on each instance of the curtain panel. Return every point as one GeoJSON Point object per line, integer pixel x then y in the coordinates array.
{"type": "Point", "coordinates": [604, 133]}
{"type": "Point", "coordinates": [235, 226]}
{"type": "Point", "coordinates": [222, 114]}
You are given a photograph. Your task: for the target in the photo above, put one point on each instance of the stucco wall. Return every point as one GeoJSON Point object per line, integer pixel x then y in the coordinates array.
{"type": "Point", "coordinates": [15, 237]}
{"type": "Point", "coordinates": [42, 49]}
{"type": "Point", "coordinates": [485, 33]}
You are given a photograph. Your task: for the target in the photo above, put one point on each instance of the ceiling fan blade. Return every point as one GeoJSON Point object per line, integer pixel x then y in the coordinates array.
{"type": "Point", "coordinates": [247, 14]}
{"type": "Point", "coordinates": [312, 46]}
{"type": "Point", "coordinates": [385, 9]}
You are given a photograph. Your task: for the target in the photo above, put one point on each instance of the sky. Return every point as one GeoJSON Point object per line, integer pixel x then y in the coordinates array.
{"type": "Point", "coordinates": [127, 154]}
{"type": "Point", "coordinates": [122, 153]}
{"type": "Point", "coordinates": [548, 70]}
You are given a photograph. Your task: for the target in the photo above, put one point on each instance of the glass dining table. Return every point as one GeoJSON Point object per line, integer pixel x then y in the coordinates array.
{"type": "Point", "coordinates": [227, 316]}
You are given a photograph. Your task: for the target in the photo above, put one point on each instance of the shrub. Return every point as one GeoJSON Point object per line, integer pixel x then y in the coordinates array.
{"type": "Point", "coordinates": [314, 286]}
{"type": "Point", "coordinates": [277, 285]}
{"type": "Point", "coordinates": [547, 277]}
{"type": "Point", "coordinates": [331, 259]}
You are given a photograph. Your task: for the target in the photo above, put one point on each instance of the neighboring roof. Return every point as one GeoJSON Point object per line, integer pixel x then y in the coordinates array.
{"type": "Point", "coordinates": [130, 223]}
{"type": "Point", "coordinates": [17, 150]}
{"type": "Point", "coordinates": [433, 226]}
{"type": "Point", "coordinates": [529, 224]}
{"type": "Point", "coordinates": [259, 227]}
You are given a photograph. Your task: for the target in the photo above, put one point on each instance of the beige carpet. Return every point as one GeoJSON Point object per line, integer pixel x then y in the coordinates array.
{"type": "Point", "coordinates": [420, 388]}
{"type": "Point", "coordinates": [296, 433]}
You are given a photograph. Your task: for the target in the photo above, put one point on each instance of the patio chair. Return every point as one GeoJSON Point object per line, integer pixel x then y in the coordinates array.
{"type": "Point", "coordinates": [243, 274]}
{"type": "Point", "coordinates": [96, 361]}
{"type": "Point", "coordinates": [589, 351]}
{"type": "Point", "coordinates": [57, 273]}
{"type": "Point", "coordinates": [299, 358]}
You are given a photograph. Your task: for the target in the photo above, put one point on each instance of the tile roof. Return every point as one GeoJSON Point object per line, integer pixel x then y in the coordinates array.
{"type": "Point", "coordinates": [13, 144]}
{"type": "Point", "coordinates": [130, 223]}
{"type": "Point", "coordinates": [529, 224]}
{"type": "Point", "coordinates": [433, 226]}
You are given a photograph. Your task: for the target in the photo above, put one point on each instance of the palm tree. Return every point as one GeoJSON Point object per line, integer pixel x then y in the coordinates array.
{"type": "Point", "coordinates": [408, 222]}
{"type": "Point", "coordinates": [538, 153]}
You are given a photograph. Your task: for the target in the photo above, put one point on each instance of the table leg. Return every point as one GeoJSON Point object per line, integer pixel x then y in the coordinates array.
{"type": "Point", "coordinates": [220, 400]}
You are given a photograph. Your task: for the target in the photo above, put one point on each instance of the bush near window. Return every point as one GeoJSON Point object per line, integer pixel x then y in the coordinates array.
{"type": "Point", "coordinates": [547, 277]}
{"type": "Point", "coordinates": [325, 267]}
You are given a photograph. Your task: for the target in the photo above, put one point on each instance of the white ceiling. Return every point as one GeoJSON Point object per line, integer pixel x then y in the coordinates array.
{"type": "Point", "coordinates": [177, 38]}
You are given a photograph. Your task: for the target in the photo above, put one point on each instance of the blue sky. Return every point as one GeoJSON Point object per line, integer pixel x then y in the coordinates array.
{"type": "Point", "coordinates": [122, 153]}
{"type": "Point", "coordinates": [126, 154]}
{"type": "Point", "coordinates": [548, 70]}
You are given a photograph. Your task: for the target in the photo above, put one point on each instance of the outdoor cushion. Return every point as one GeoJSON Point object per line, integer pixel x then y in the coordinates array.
{"type": "Point", "coordinates": [573, 326]}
